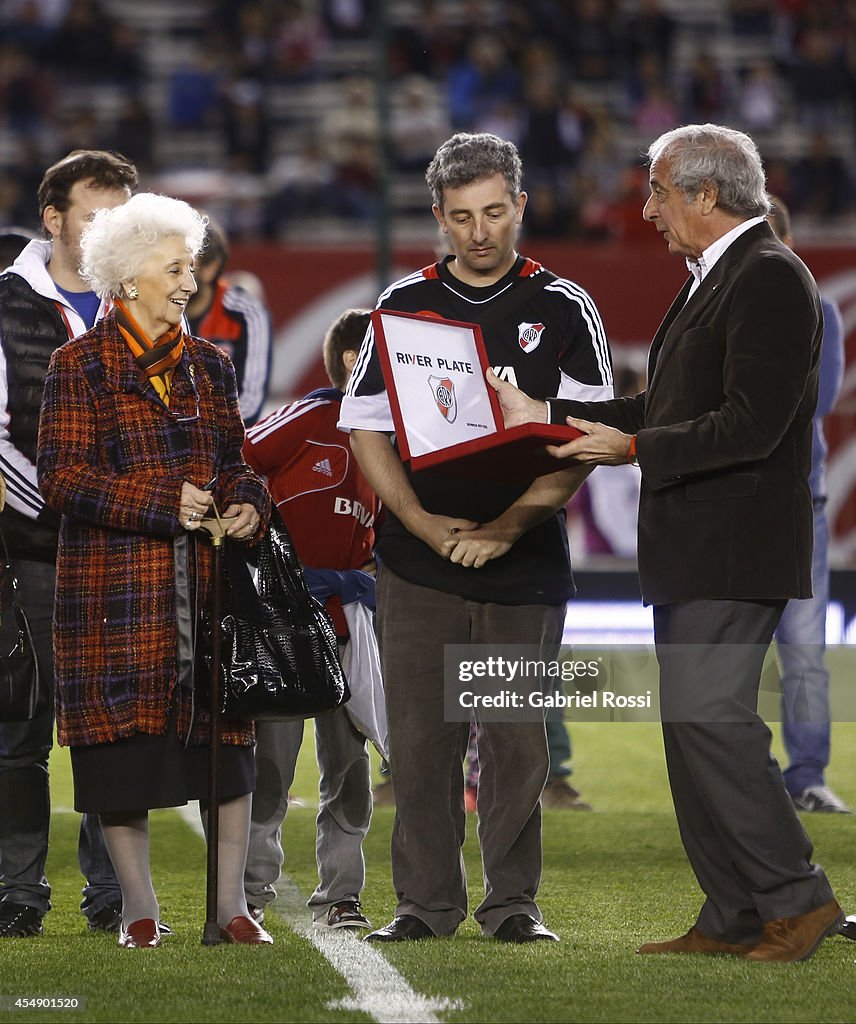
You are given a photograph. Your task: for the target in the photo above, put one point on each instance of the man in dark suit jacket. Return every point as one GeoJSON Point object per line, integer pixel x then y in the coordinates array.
{"type": "Point", "coordinates": [722, 437]}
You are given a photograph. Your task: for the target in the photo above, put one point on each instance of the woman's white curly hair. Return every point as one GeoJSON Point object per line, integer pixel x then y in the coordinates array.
{"type": "Point", "coordinates": [117, 242]}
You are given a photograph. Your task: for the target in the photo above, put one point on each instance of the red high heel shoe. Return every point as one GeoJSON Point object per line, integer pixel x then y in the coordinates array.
{"type": "Point", "coordinates": [245, 931]}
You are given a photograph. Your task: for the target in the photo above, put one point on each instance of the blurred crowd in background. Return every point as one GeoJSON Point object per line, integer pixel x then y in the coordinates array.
{"type": "Point", "coordinates": [266, 110]}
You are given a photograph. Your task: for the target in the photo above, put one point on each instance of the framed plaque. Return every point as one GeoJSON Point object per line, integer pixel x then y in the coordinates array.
{"type": "Point", "coordinates": [445, 413]}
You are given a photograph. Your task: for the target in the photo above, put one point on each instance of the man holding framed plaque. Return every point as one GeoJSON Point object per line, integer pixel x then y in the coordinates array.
{"type": "Point", "coordinates": [722, 436]}
{"type": "Point", "coordinates": [472, 559]}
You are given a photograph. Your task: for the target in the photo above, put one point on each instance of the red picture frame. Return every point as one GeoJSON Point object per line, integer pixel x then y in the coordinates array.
{"type": "Point", "coordinates": [516, 453]}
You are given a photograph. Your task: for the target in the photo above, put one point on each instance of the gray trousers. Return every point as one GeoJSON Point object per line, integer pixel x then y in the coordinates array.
{"type": "Point", "coordinates": [344, 811]}
{"type": "Point", "coordinates": [749, 852]}
{"type": "Point", "coordinates": [427, 754]}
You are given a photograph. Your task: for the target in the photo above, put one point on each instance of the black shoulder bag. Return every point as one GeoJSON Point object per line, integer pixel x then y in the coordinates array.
{"type": "Point", "coordinates": [279, 656]}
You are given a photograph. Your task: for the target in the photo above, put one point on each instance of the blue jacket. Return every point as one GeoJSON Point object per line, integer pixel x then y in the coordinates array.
{"type": "Point", "coordinates": [829, 386]}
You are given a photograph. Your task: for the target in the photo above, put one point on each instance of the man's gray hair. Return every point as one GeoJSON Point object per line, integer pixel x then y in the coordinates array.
{"type": "Point", "coordinates": [699, 153]}
{"type": "Point", "coordinates": [117, 242]}
{"type": "Point", "coordinates": [467, 157]}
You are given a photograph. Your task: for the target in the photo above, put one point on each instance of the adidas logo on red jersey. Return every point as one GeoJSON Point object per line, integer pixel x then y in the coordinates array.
{"type": "Point", "coordinates": [323, 467]}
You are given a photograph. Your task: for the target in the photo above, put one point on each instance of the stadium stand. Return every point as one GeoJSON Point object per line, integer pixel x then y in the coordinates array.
{"type": "Point", "coordinates": [270, 104]}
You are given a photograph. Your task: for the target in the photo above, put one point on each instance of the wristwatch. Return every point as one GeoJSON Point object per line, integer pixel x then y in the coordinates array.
{"type": "Point", "coordinates": [631, 451]}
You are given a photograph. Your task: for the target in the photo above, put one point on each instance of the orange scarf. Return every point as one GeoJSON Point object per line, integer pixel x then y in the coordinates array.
{"type": "Point", "coordinates": [157, 359]}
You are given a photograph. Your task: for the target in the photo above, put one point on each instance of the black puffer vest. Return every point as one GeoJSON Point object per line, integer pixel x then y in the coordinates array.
{"type": "Point", "coordinates": [32, 328]}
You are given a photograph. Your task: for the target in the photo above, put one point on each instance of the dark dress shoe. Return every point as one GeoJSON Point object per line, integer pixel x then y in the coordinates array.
{"type": "Point", "coordinates": [523, 928]}
{"type": "Point", "coordinates": [107, 919]}
{"type": "Point", "coordinates": [695, 942]}
{"type": "Point", "coordinates": [142, 934]}
{"type": "Point", "coordinates": [18, 920]}
{"type": "Point", "coordinates": [796, 938]}
{"type": "Point", "coordinates": [406, 928]}
{"type": "Point", "coordinates": [848, 929]}
{"type": "Point", "coordinates": [245, 932]}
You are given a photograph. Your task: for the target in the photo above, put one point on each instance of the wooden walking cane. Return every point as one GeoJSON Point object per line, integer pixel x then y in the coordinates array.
{"type": "Point", "coordinates": [211, 935]}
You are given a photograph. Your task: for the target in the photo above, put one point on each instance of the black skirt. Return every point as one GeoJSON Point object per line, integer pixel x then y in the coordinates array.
{"type": "Point", "coordinates": [143, 771]}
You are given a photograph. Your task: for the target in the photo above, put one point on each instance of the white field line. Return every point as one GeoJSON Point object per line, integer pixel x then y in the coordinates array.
{"type": "Point", "coordinates": [378, 989]}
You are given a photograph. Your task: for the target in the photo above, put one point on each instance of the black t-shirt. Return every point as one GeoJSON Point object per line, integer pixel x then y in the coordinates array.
{"type": "Point", "coordinates": [552, 344]}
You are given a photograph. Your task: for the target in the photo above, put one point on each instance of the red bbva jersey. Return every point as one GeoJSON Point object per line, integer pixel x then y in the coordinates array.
{"type": "Point", "coordinates": [320, 491]}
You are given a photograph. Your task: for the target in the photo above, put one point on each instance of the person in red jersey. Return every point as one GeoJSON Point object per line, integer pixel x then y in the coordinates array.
{"type": "Point", "coordinates": [330, 510]}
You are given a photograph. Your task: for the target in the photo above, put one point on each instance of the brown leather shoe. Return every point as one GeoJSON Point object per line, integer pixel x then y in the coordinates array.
{"type": "Point", "coordinates": [245, 932]}
{"type": "Point", "coordinates": [559, 795]}
{"type": "Point", "coordinates": [142, 934]}
{"type": "Point", "coordinates": [383, 795]}
{"type": "Point", "coordinates": [695, 942]}
{"type": "Point", "coordinates": [797, 938]}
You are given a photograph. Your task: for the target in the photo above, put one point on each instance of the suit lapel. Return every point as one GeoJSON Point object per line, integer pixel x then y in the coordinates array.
{"type": "Point", "coordinates": [663, 331]}
{"type": "Point", "coordinates": [689, 312]}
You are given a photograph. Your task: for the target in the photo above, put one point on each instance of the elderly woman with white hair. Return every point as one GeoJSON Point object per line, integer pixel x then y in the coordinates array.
{"type": "Point", "coordinates": [140, 433]}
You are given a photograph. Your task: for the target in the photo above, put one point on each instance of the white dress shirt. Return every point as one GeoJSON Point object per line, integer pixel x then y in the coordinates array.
{"type": "Point", "coordinates": [701, 267]}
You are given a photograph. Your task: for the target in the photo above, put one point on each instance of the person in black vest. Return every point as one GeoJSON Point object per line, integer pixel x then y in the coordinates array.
{"type": "Point", "coordinates": [44, 302]}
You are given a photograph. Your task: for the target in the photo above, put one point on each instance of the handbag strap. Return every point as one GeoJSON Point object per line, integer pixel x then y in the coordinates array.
{"type": "Point", "coordinates": [9, 568]}
{"type": "Point", "coordinates": [240, 595]}
{"type": "Point", "coordinates": [284, 560]}
{"type": "Point", "coordinates": [185, 617]}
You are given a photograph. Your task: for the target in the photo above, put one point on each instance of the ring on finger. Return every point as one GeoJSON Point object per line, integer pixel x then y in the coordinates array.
{"type": "Point", "coordinates": [188, 524]}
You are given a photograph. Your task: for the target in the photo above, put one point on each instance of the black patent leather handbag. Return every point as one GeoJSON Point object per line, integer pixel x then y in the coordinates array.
{"type": "Point", "coordinates": [279, 655]}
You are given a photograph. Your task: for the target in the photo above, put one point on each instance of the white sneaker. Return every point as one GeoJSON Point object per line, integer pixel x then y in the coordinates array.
{"type": "Point", "coordinates": [344, 914]}
{"type": "Point", "coordinates": [820, 799]}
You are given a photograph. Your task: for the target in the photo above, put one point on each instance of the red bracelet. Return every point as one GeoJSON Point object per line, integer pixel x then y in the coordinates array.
{"type": "Point", "coordinates": [631, 451]}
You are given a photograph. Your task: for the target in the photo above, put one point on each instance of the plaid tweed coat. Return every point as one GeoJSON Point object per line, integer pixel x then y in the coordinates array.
{"type": "Point", "coordinates": [112, 459]}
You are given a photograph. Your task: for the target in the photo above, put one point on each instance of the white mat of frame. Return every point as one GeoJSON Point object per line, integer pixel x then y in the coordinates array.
{"type": "Point", "coordinates": [377, 988]}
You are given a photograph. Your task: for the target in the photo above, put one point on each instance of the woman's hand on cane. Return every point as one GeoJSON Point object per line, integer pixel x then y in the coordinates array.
{"type": "Point", "coordinates": [245, 526]}
{"type": "Point", "coordinates": [193, 505]}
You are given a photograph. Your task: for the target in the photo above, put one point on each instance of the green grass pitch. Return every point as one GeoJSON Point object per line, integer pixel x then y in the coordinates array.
{"type": "Point", "coordinates": [611, 880]}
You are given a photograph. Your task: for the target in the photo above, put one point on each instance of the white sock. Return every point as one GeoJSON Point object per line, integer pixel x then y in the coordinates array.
{"type": "Point", "coordinates": [234, 840]}
{"type": "Point", "coordinates": [127, 840]}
